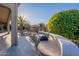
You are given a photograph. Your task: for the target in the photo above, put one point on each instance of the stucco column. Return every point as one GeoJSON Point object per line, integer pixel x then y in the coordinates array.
{"type": "Point", "coordinates": [14, 26]}
{"type": "Point", "coordinates": [1, 26]}
{"type": "Point", "coordinates": [8, 27]}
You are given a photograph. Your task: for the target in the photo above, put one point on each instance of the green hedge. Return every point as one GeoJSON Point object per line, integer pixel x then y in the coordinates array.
{"type": "Point", "coordinates": [65, 23]}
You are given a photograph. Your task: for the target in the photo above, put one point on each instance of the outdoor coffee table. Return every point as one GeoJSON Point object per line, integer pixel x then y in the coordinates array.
{"type": "Point", "coordinates": [49, 48]}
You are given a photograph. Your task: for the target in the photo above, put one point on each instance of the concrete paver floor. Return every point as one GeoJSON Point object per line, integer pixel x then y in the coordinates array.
{"type": "Point", "coordinates": [24, 48]}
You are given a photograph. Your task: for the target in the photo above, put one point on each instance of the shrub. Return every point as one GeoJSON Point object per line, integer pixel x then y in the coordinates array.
{"type": "Point", "coordinates": [65, 23]}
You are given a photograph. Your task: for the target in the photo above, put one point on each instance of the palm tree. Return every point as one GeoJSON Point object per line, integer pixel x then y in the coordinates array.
{"type": "Point", "coordinates": [21, 23]}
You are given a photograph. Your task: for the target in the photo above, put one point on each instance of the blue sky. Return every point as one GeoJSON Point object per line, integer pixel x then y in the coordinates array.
{"type": "Point", "coordinates": [41, 12]}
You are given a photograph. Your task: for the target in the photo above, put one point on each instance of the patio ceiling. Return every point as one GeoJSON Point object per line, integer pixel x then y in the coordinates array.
{"type": "Point", "coordinates": [4, 14]}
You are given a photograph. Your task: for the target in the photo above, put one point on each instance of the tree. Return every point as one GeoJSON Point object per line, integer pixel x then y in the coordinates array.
{"type": "Point", "coordinates": [27, 26]}
{"type": "Point", "coordinates": [65, 23]}
{"type": "Point", "coordinates": [21, 23]}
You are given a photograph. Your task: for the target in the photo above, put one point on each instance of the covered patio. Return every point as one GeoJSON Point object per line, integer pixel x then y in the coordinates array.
{"type": "Point", "coordinates": [8, 12]}
{"type": "Point", "coordinates": [10, 43]}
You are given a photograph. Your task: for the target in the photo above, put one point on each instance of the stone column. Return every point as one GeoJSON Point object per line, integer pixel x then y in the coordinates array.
{"type": "Point", "coordinates": [14, 26]}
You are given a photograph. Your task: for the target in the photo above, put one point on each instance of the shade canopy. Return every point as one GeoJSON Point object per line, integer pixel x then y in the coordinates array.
{"type": "Point", "coordinates": [4, 14]}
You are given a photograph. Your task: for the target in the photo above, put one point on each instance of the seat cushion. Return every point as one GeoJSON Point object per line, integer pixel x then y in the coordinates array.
{"type": "Point", "coordinates": [43, 38]}
{"type": "Point", "coordinates": [49, 48]}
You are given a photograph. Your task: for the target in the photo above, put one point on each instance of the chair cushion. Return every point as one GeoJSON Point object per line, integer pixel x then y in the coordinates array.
{"type": "Point", "coordinates": [43, 38]}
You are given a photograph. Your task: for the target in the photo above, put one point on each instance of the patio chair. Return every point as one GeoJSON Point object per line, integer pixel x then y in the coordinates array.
{"type": "Point", "coordinates": [49, 47]}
